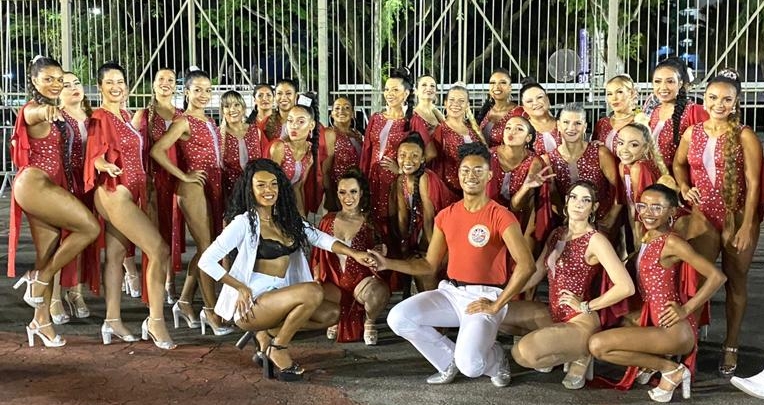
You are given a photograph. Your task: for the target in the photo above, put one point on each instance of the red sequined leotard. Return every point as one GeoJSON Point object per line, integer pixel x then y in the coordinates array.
{"type": "Point", "coordinates": [237, 153]}
{"type": "Point", "coordinates": [547, 141]}
{"type": "Point", "coordinates": [345, 273]}
{"type": "Point", "coordinates": [447, 142]}
{"type": "Point", "coordinates": [587, 167]}
{"type": "Point", "coordinates": [605, 133]}
{"type": "Point", "coordinates": [294, 170]}
{"type": "Point", "coordinates": [705, 157]}
{"type": "Point", "coordinates": [505, 184]}
{"type": "Point", "coordinates": [494, 131]}
{"type": "Point", "coordinates": [567, 270]}
{"type": "Point", "coordinates": [202, 151]}
{"type": "Point", "coordinates": [347, 153]}
{"type": "Point", "coordinates": [663, 132]}
{"type": "Point", "coordinates": [382, 139]}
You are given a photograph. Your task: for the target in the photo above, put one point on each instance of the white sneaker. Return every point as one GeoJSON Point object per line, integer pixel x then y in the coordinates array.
{"type": "Point", "coordinates": [502, 378]}
{"type": "Point", "coordinates": [754, 388]}
{"type": "Point", "coordinates": [444, 377]}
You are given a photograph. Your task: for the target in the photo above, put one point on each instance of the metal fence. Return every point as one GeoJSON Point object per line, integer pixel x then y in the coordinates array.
{"type": "Point", "coordinates": [346, 46]}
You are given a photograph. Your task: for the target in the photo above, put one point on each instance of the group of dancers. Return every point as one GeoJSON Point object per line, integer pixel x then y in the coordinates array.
{"type": "Point", "coordinates": [624, 225]}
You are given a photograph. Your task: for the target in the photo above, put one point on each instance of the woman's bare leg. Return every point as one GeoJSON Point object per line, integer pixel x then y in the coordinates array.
{"type": "Point", "coordinates": [374, 295]}
{"type": "Point", "coordinates": [34, 192]}
{"type": "Point", "coordinates": [193, 203]}
{"type": "Point", "coordinates": [289, 307]}
{"type": "Point", "coordinates": [128, 222]}
{"type": "Point", "coordinates": [556, 344]}
{"type": "Point", "coordinates": [524, 317]}
{"type": "Point", "coordinates": [644, 347]}
{"type": "Point", "coordinates": [45, 239]}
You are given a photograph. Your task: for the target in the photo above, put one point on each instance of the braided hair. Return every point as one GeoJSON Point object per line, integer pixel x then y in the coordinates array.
{"type": "Point", "coordinates": [286, 217]}
{"type": "Point", "coordinates": [415, 138]}
{"type": "Point", "coordinates": [680, 68]}
{"type": "Point", "coordinates": [253, 115]}
{"type": "Point", "coordinates": [153, 105]}
{"type": "Point", "coordinates": [404, 75]}
{"type": "Point", "coordinates": [730, 187]}
{"type": "Point", "coordinates": [489, 101]}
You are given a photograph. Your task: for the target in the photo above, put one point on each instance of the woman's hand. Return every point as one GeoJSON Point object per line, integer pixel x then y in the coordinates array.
{"type": "Point", "coordinates": [535, 180]}
{"type": "Point", "coordinates": [364, 258]}
{"type": "Point", "coordinates": [743, 237]}
{"type": "Point", "coordinates": [380, 262]}
{"type": "Point", "coordinates": [244, 303]}
{"type": "Point", "coordinates": [672, 314]}
{"type": "Point", "coordinates": [572, 300]}
{"type": "Point", "coordinates": [389, 164]}
{"type": "Point", "coordinates": [482, 305]}
{"type": "Point", "coordinates": [111, 169]}
{"type": "Point", "coordinates": [195, 176]}
{"type": "Point", "coordinates": [691, 195]}
{"type": "Point", "coordinates": [49, 113]}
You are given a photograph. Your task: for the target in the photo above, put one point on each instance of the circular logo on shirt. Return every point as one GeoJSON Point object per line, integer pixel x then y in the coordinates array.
{"type": "Point", "coordinates": [478, 235]}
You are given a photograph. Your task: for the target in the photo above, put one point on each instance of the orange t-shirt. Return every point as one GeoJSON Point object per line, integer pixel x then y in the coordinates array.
{"type": "Point", "coordinates": [477, 252]}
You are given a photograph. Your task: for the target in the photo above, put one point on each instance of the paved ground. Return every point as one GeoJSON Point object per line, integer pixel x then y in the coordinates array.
{"type": "Point", "coordinates": [209, 370]}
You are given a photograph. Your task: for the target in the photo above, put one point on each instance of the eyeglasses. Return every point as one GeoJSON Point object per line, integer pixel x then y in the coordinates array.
{"type": "Point", "coordinates": [655, 209]}
{"type": "Point", "coordinates": [476, 171]}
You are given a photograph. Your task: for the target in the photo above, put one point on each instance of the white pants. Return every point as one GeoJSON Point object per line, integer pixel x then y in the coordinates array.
{"type": "Point", "coordinates": [475, 352]}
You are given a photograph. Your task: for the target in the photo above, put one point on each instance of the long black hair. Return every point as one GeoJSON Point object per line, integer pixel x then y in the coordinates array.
{"type": "Point", "coordinates": [415, 138]}
{"type": "Point", "coordinates": [489, 101]}
{"type": "Point", "coordinates": [678, 66]}
{"type": "Point", "coordinates": [404, 75]}
{"type": "Point", "coordinates": [39, 63]}
{"type": "Point", "coordinates": [286, 216]}
{"type": "Point", "coordinates": [253, 115]}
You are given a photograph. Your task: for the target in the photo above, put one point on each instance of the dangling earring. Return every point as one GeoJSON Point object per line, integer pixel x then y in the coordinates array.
{"type": "Point", "coordinates": [592, 217]}
{"type": "Point", "coordinates": [671, 222]}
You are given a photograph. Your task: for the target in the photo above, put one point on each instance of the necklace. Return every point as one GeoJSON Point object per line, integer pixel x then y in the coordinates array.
{"type": "Point", "coordinates": [625, 117]}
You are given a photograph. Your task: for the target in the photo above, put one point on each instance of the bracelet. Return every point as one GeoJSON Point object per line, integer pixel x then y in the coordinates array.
{"type": "Point", "coordinates": [584, 307]}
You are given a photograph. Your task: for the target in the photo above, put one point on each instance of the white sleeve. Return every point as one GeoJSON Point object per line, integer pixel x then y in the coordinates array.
{"type": "Point", "coordinates": [230, 238]}
{"type": "Point", "coordinates": [318, 238]}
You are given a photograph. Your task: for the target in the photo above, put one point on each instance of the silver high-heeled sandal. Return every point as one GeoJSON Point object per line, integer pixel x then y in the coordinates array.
{"type": "Point", "coordinates": [146, 334]}
{"type": "Point", "coordinates": [107, 331]}
{"type": "Point", "coordinates": [34, 329]}
{"type": "Point", "coordinates": [575, 382]}
{"type": "Point", "coordinates": [217, 330]}
{"type": "Point", "coordinates": [171, 297]}
{"type": "Point", "coordinates": [76, 303]}
{"type": "Point", "coordinates": [59, 316]}
{"type": "Point", "coordinates": [331, 332]}
{"type": "Point", "coordinates": [132, 285]}
{"type": "Point", "coordinates": [727, 370]}
{"type": "Point", "coordinates": [177, 314]}
{"type": "Point", "coordinates": [33, 301]}
{"type": "Point", "coordinates": [658, 394]}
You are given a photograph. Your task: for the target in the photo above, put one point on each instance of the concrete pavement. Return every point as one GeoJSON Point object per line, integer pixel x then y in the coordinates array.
{"type": "Point", "coordinates": [211, 370]}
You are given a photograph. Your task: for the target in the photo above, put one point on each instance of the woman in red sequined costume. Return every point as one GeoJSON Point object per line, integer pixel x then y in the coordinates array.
{"type": "Point", "coordinates": [621, 96]}
{"type": "Point", "coordinates": [577, 159]}
{"type": "Point", "coordinates": [426, 115]}
{"type": "Point", "coordinates": [453, 132]}
{"type": "Point", "coordinates": [115, 168]}
{"type": "Point", "coordinates": [517, 175]}
{"type": "Point", "coordinates": [285, 97]}
{"type": "Point", "coordinates": [44, 176]}
{"type": "Point", "coordinates": [536, 106]}
{"type": "Point", "coordinates": [241, 141]}
{"type": "Point", "coordinates": [497, 108]}
{"type": "Point", "coordinates": [640, 167]}
{"type": "Point", "coordinates": [670, 119]}
{"type": "Point", "coordinates": [718, 168]}
{"type": "Point", "coordinates": [380, 144]}
{"type": "Point", "coordinates": [75, 110]}
{"type": "Point", "coordinates": [199, 191]}
{"type": "Point", "coordinates": [416, 197]}
{"type": "Point", "coordinates": [351, 286]}
{"type": "Point", "coordinates": [342, 144]}
{"type": "Point", "coordinates": [574, 255]}
{"type": "Point", "coordinates": [263, 110]}
{"type": "Point", "coordinates": [298, 152]}
{"type": "Point", "coordinates": [666, 322]}
{"type": "Point", "coordinates": [152, 122]}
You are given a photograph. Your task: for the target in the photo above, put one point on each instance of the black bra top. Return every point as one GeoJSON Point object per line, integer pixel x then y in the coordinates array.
{"type": "Point", "coordinates": [272, 249]}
